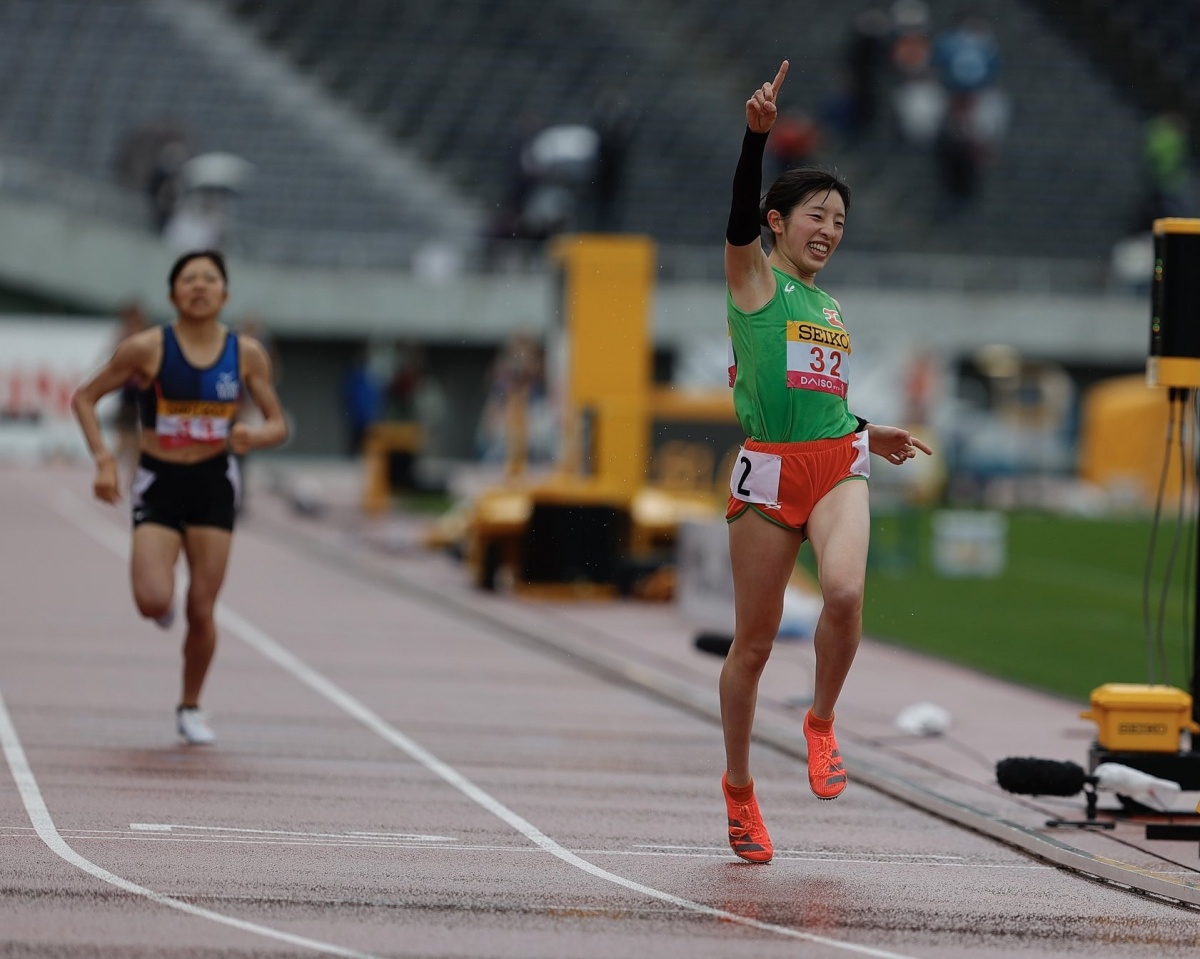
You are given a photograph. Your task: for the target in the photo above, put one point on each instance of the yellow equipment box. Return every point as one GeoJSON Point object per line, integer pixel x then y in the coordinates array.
{"type": "Point", "coordinates": [1140, 718]}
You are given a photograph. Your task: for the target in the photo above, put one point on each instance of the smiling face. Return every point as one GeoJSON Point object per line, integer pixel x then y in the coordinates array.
{"type": "Point", "coordinates": [806, 238]}
{"type": "Point", "coordinates": [199, 291]}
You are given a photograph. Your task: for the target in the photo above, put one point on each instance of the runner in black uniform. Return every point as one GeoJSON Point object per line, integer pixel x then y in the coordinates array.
{"type": "Point", "coordinates": [186, 487]}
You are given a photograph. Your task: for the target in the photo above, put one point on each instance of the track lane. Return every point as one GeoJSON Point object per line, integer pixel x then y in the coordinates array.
{"type": "Point", "coordinates": [543, 739]}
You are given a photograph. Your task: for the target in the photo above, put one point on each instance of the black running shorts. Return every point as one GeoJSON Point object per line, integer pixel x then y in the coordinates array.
{"type": "Point", "coordinates": [180, 495]}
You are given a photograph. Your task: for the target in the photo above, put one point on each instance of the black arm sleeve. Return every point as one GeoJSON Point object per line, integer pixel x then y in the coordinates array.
{"type": "Point", "coordinates": [861, 425]}
{"type": "Point", "coordinates": [744, 227]}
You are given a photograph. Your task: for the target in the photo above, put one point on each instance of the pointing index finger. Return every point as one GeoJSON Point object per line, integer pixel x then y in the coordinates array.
{"type": "Point", "coordinates": [778, 81]}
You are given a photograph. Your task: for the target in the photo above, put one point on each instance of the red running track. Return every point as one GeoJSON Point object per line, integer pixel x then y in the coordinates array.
{"type": "Point", "coordinates": [395, 777]}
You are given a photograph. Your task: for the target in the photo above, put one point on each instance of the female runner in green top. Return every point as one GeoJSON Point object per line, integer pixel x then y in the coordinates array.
{"type": "Point", "coordinates": [802, 471]}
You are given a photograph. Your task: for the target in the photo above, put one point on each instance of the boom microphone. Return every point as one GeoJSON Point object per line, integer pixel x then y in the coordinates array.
{"type": "Point", "coordinates": [716, 643]}
{"type": "Point", "coordinates": [1040, 777]}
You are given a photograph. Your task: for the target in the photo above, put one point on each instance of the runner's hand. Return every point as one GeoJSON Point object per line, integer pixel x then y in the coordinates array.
{"type": "Point", "coordinates": [240, 439]}
{"type": "Point", "coordinates": [895, 445]}
{"type": "Point", "coordinates": [107, 486]}
{"type": "Point", "coordinates": [760, 108]}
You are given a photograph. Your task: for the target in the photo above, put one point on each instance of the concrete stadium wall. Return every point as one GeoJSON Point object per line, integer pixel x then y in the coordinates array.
{"type": "Point", "coordinates": [322, 316]}
{"type": "Point", "coordinates": [64, 256]}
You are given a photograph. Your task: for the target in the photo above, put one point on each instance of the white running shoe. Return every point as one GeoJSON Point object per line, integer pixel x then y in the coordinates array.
{"type": "Point", "coordinates": [167, 619]}
{"type": "Point", "coordinates": [193, 727]}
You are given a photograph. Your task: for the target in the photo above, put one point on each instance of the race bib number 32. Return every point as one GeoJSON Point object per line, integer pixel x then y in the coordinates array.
{"type": "Point", "coordinates": [818, 358]}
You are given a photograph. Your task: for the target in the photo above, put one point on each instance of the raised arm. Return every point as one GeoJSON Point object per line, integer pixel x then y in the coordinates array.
{"type": "Point", "coordinates": [751, 282]}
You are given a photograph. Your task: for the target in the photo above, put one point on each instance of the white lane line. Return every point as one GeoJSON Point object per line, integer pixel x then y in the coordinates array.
{"type": "Point", "coordinates": [104, 835]}
{"type": "Point", "coordinates": [396, 836]}
{"type": "Point", "coordinates": [73, 510]}
{"type": "Point", "coordinates": [268, 647]}
{"type": "Point", "coordinates": [800, 852]}
{"type": "Point", "coordinates": [43, 823]}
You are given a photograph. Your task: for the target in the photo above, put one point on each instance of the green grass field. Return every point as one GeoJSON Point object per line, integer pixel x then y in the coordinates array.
{"type": "Point", "coordinates": [1065, 616]}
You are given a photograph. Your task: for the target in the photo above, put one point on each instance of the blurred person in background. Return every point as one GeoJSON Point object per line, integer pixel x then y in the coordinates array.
{"type": "Point", "coordinates": [165, 184]}
{"type": "Point", "coordinates": [362, 401]}
{"type": "Point", "coordinates": [518, 409]}
{"type": "Point", "coordinates": [966, 58]}
{"type": "Point", "coordinates": [1166, 159]}
{"type": "Point", "coordinates": [185, 493]}
{"type": "Point", "coordinates": [865, 57]}
{"type": "Point", "coordinates": [150, 159]}
{"type": "Point", "coordinates": [918, 100]}
{"type": "Point", "coordinates": [205, 214]}
{"type": "Point", "coordinates": [409, 373]}
{"type": "Point", "coordinates": [416, 395]}
{"type": "Point", "coordinates": [960, 156]}
{"type": "Point", "coordinates": [505, 225]}
{"type": "Point", "coordinates": [795, 143]}
{"type": "Point", "coordinates": [802, 471]}
{"type": "Point", "coordinates": [614, 124]}
{"type": "Point", "coordinates": [563, 161]}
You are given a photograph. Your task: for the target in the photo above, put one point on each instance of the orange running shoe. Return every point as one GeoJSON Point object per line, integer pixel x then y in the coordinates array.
{"type": "Point", "coordinates": [747, 835]}
{"type": "Point", "coordinates": [826, 772]}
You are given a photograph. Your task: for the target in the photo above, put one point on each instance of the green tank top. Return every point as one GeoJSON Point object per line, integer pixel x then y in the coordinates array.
{"type": "Point", "coordinates": [789, 365]}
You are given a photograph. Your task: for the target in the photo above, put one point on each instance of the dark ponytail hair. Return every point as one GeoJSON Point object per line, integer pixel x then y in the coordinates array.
{"type": "Point", "coordinates": [177, 268]}
{"type": "Point", "coordinates": [793, 187]}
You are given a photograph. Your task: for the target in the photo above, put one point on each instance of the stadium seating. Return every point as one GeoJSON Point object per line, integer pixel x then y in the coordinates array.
{"type": "Point", "coordinates": [454, 79]}
{"type": "Point", "coordinates": [78, 77]}
{"type": "Point", "coordinates": [454, 83]}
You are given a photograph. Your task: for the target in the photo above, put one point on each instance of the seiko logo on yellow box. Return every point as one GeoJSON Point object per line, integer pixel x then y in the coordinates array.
{"type": "Point", "coordinates": [1143, 729]}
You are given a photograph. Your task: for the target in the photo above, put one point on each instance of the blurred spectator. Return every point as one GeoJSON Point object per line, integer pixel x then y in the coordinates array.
{"type": "Point", "coordinates": [414, 395]}
{"type": "Point", "coordinates": [1167, 164]}
{"type": "Point", "coordinates": [195, 225]}
{"type": "Point", "coordinates": [918, 99]}
{"type": "Point", "coordinates": [404, 390]}
{"type": "Point", "coordinates": [966, 58]}
{"type": "Point", "coordinates": [150, 159]}
{"type": "Point", "coordinates": [911, 45]}
{"type": "Point", "coordinates": [362, 400]}
{"type": "Point", "coordinates": [794, 142]}
{"type": "Point", "coordinates": [165, 185]}
{"type": "Point", "coordinates": [517, 423]}
{"type": "Point", "coordinates": [205, 215]}
{"type": "Point", "coordinates": [563, 161]}
{"type": "Point", "coordinates": [960, 158]}
{"type": "Point", "coordinates": [614, 125]}
{"type": "Point", "coordinates": [518, 183]}
{"type": "Point", "coordinates": [865, 57]}
{"type": "Point", "coordinates": [565, 176]}
{"type": "Point", "coordinates": [552, 175]}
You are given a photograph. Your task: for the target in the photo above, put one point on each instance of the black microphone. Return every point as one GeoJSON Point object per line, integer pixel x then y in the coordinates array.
{"type": "Point", "coordinates": [716, 643]}
{"type": "Point", "coordinates": [1041, 777]}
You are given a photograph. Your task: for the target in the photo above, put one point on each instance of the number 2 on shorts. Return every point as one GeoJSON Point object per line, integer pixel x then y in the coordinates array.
{"type": "Point", "coordinates": [755, 478]}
